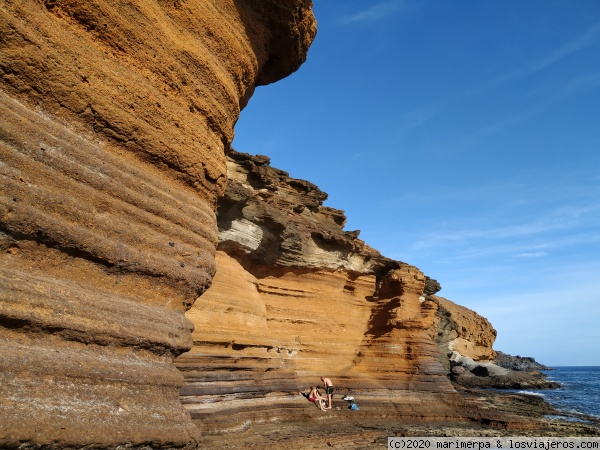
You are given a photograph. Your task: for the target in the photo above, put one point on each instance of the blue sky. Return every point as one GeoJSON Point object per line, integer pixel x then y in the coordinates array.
{"type": "Point", "coordinates": [462, 137]}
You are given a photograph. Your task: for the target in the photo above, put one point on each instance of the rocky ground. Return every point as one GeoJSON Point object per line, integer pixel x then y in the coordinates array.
{"type": "Point", "coordinates": [369, 427]}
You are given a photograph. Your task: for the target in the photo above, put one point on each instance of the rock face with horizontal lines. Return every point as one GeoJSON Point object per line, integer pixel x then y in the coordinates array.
{"type": "Point", "coordinates": [296, 297]}
{"type": "Point", "coordinates": [115, 118]}
{"type": "Point", "coordinates": [464, 331]}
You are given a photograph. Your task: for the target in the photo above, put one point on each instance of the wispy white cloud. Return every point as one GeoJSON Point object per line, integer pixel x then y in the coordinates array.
{"type": "Point", "coordinates": [532, 255]}
{"type": "Point", "coordinates": [578, 85]}
{"type": "Point", "coordinates": [531, 219]}
{"type": "Point", "coordinates": [576, 44]}
{"type": "Point", "coordinates": [375, 12]}
{"type": "Point", "coordinates": [423, 114]}
{"type": "Point", "coordinates": [468, 193]}
{"type": "Point", "coordinates": [416, 117]}
{"type": "Point", "coordinates": [557, 228]}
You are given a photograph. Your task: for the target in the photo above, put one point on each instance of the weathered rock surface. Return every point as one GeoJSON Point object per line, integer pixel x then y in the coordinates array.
{"type": "Point", "coordinates": [268, 219]}
{"type": "Point", "coordinates": [466, 339]}
{"type": "Point", "coordinates": [115, 118]}
{"type": "Point", "coordinates": [505, 372]}
{"type": "Point", "coordinates": [296, 297]}
{"type": "Point", "coordinates": [464, 331]}
{"type": "Point", "coordinates": [369, 427]}
{"type": "Point", "coordinates": [519, 363]}
{"type": "Point", "coordinates": [486, 374]}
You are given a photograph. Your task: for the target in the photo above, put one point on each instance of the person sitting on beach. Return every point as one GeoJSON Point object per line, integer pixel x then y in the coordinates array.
{"type": "Point", "coordinates": [315, 397]}
{"type": "Point", "coordinates": [328, 385]}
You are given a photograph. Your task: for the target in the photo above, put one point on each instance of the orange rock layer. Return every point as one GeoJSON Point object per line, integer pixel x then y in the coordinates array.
{"type": "Point", "coordinates": [115, 118]}
{"type": "Point", "coordinates": [295, 298]}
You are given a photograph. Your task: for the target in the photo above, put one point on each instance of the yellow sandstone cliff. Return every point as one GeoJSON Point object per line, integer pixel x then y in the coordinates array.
{"type": "Point", "coordinates": [115, 118]}
{"type": "Point", "coordinates": [296, 297]}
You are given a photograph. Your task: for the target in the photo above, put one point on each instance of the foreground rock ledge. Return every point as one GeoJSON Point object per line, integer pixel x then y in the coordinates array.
{"type": "Point", "coordinates": [115, 118]}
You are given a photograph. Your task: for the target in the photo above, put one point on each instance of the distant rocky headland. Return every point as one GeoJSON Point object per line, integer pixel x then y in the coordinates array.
{"type": "Point", "coordinates": [519, 363]}
{"type": "Point", "coordinates": [161, 290]}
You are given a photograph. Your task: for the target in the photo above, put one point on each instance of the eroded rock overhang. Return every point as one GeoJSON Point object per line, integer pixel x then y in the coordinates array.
{"type": "Point", "coordinates": [115, 119]}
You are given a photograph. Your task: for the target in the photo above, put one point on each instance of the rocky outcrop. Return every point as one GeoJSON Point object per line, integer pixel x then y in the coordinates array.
{"type": "Point", "coordinates": [463, 331]}
{"type": "Point", "coordinates": [518, 363]}
{"type": "Point", "coordinates": [115, 118]}
{"type": "Point", "coordinates": [486, 374]}
{"type": "Point", "coordinates": [466, 343]}
{"type": "Point", "coordinates": [268, 219]}
{"type": "Point", "coordinates": [296, 297]}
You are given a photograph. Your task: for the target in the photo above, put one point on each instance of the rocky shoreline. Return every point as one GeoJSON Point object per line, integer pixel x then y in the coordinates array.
{"type": "Point", "coordinates": [485, 405]}
{"type": "Point", "coordinates": [493, 413]}
{"type": "Point", "coordinates": [468, 373]}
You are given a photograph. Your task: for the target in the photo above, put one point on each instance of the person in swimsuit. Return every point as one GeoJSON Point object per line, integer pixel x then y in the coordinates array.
{"type": "Point", "coordinates": [316, 398]}
{"type": "Point", "coordinates": [328, 385]}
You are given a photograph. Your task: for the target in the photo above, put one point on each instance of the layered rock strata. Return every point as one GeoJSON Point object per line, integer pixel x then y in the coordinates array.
{"type": "Point", "coordinates": [296, 297]}
{"type": "Point", "coordinates": [115, 118]}
{"type": "Point", "coordinates": [466, 339]}
{"type": "Point", "coordinates": [463, 331]}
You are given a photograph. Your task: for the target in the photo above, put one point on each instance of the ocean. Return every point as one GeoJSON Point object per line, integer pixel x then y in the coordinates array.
{"type": "Point", "coordinates": [580, 391]}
